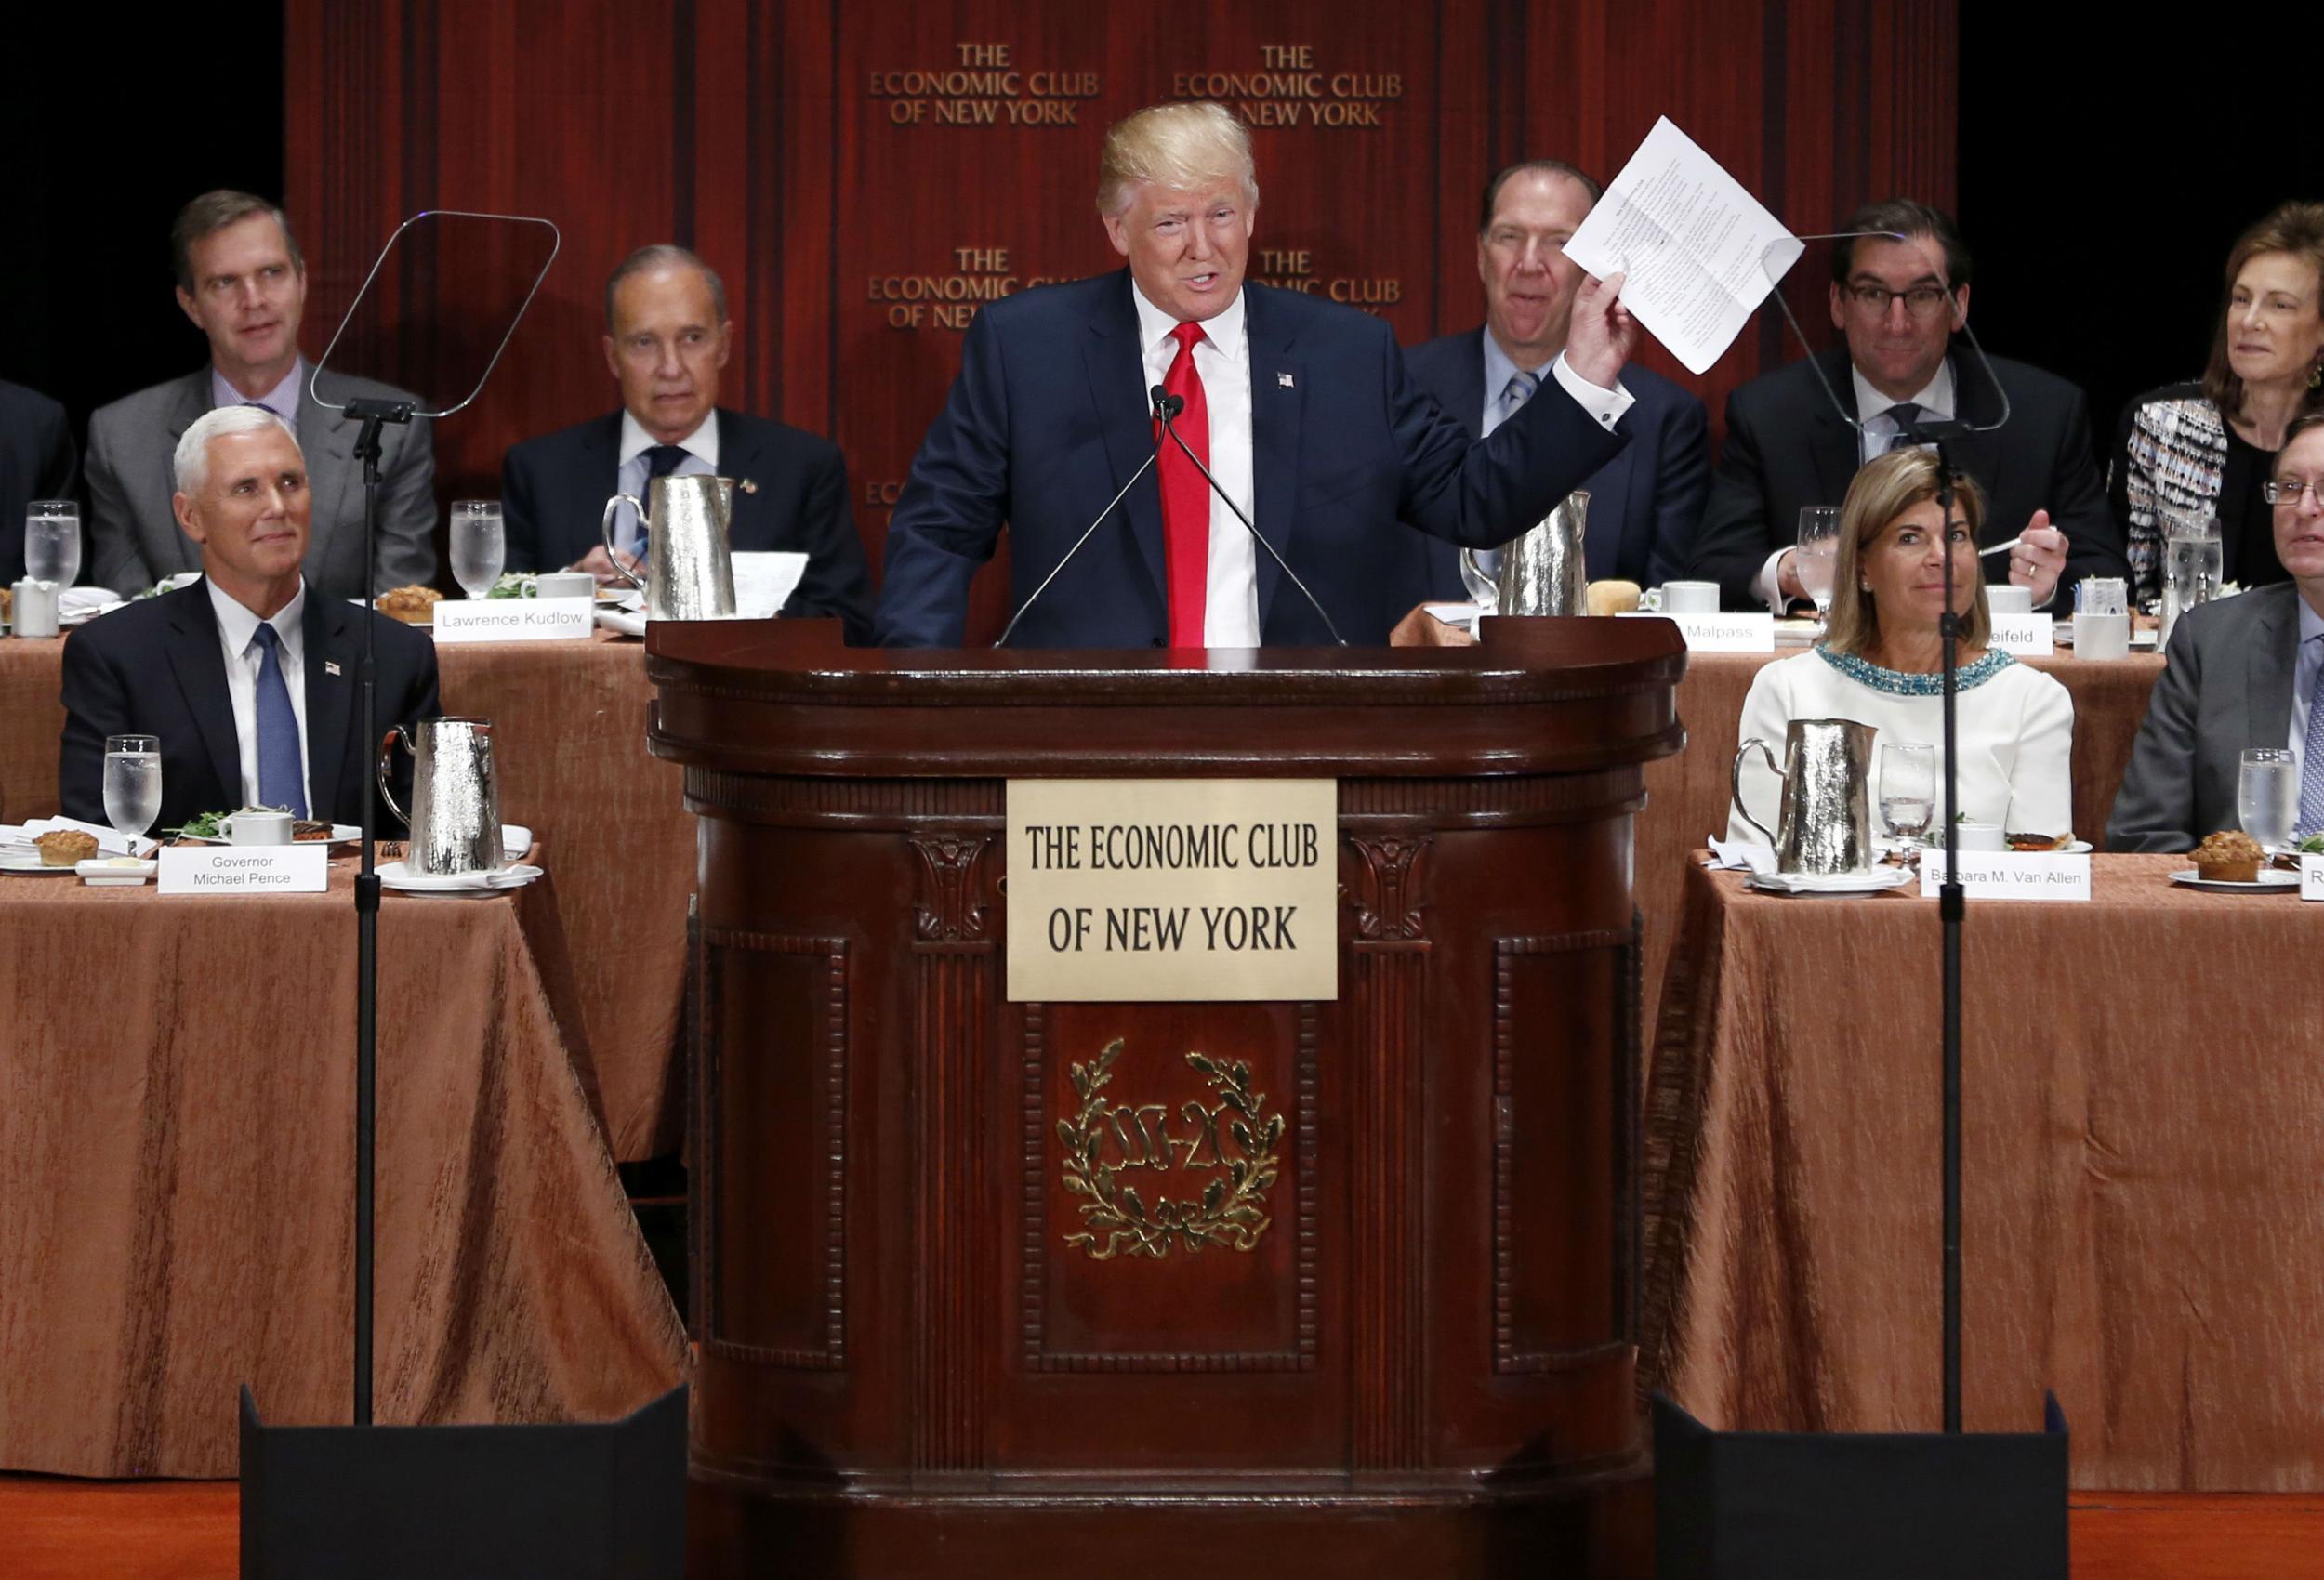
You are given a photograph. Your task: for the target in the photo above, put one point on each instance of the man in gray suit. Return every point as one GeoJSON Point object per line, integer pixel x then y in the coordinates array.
{"type": "Point", "coordinates": [2241, 673]}
{"type": "Point", "coordinates": [243, 283]}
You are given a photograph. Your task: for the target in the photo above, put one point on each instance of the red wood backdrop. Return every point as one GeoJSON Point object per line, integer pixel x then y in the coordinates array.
{"type": "Point", "coordinates": [864, 174]}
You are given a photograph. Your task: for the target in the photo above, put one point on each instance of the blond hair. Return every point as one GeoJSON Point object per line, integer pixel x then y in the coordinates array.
{"type": "Point", "coordinates": [1179, 147]}
{"type": "Point", "coordinates": [1882, 492]}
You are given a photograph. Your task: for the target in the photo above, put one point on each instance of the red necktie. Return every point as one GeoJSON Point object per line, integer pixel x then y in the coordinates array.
{"type": "Point", "coordinates": [1185, 495]}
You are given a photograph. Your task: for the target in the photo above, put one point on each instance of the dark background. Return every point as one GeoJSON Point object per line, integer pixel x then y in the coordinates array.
{"type": "Point", "coordinates": [2102, 171]}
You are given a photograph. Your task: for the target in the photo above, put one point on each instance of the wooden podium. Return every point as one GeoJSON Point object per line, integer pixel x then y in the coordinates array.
{"type": "Point", "coordinates": [1421, 1365]}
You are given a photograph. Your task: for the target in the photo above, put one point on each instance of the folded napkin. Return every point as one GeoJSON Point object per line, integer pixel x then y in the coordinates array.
{"type": "Point", "coordinates": [621, 621]}
{"type": "Point", "coordinates": [1738, 855]}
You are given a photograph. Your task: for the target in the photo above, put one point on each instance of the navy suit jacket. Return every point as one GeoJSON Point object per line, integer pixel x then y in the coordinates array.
{"type": "Point", "coordinates": [553, 490]}
{"type": "Point", "coordinates": [37, 461]}
{"type": "Point", "coordinates": [155, 667]}
{"type": "Point", "coordinates": [1786, 447]}
{"type": "Point", "coordinates": [1644, 505]}
{"type": "Point", "coordinates": [1048, 419]}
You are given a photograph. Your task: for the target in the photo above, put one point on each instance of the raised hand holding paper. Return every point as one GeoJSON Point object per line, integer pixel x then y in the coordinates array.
{"type": "Point", "coordinates": [1698, 253]}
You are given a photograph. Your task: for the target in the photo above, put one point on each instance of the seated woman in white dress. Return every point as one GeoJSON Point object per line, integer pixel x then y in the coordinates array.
{"type": "Point", "coordinates": [1879, 662]}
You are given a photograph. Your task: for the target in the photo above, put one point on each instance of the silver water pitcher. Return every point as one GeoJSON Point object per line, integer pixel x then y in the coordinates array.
{"type": "Point", "coordinates": [455, 818]}
{"type": "Point", "coordinates": [690, 563]}
{"type": "Point", "coordinates": [1543, 572]}
{"type": "Point", "coordinates": [1824, 822]}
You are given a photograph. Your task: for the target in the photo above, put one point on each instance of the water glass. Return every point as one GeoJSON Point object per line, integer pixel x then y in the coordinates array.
{"type": "Point", "coordinates": [133, 784]}
{"type": "Point", "coordinates": [1907, 792]}
{"type": "Point", "coordinates": [52, 542]}
{"type": "Point", "coordinates": [480, 548]}
{"type": "Point", "coordinates": [1818, 557]}
{"type": "Point", "coordinates": [2267, 796]}
{"type": "Point", "coordinates": [2193, 559]}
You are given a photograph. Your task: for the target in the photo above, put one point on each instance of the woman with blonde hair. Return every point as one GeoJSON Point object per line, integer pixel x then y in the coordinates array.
{"type": "Point", "coordinates": [1878, 663]}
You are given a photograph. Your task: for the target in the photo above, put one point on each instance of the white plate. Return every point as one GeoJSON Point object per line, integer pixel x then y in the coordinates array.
{"type": "Point", "coordinates": [1878, 880]}
{"type": "Point", "coordinates": [400, 877]}
{"type": "Point", "coordinates": [341, 833]}
{"type": "Point", "coordinates": [104, 873]}
{"type": "Point", "coordinates": [2271, 881]}
{"type": "Point", "coordinates": [35, 867]}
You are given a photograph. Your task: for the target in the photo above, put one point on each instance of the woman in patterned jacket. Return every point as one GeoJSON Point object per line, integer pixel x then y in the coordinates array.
{"type": "Point", "coordinates": [2196, 451]}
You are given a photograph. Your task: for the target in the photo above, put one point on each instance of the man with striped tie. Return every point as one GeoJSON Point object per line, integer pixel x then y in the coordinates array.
{"type": "Point", "coordinates": [243, 283]}
{"type": "Point", "coordinates": [248, 675]}
{"type": "Point", "coordinates": [2241, 672]}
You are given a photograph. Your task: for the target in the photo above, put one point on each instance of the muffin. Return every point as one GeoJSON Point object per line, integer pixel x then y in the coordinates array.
{"type": "Point", "coordinates": [2229, 856]}
{"type": "Point", "coordinates": [413, 605]}
{"type": "Point", "coordinates": [65, 848]}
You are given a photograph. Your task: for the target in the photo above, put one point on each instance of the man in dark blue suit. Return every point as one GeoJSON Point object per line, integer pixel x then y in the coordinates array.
{"type": "Point", "coordinates": [37, 461]}
{"type": "Point", "coordinates": [1301, 409]}
{"type": "Point", "coordinates": [667, 341]}
{"type": "Point", "coordinates": [1643, 504]}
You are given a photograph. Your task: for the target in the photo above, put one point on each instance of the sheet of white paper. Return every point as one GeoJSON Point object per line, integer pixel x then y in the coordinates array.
{"type": "Point", "coordinates": [1697, 252]}
{"type": "Point", "coordinates": [763, 580]}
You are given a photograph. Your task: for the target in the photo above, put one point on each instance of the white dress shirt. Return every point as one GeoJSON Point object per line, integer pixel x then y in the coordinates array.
{"type": "Point", "coordinates": [2305, 667]}
{"type": "Point", "coordinates": [702, 460]}
{"type": "Point", "coordinates": [282, 399]}
{"type": "Point", "coordinates": [1223, 360]}
{"type": "Point", "coordinates": [237, 628]}
{"type": "Point", "coordinates": [1876, 434]}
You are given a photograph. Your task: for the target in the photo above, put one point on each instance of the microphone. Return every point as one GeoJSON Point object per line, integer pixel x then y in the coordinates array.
{"type": "Point", "coordinates": [1143, 467]}
{"type": "Point", "coordinates": [1167, 406]}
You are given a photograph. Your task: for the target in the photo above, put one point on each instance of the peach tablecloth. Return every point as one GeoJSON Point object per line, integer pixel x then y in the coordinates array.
{"type": "Point", "coordinates": [2143, 1141]}
{"type": "Point", "coordinates": [573, 768]}
{"type": "Point", "coordinates": [177, 1136]}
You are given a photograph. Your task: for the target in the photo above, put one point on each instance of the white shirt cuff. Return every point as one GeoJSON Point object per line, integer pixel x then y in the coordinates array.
{"type": "Point", "coordinates": [1770, 583]}
{"type": "Point", "coordinates": [1606, 405]}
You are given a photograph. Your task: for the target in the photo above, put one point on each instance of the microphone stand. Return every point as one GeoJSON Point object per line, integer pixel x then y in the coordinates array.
{"type": "Point", "coordinates": [1169, 407]}
{"type": "Point", "coordinates": [373, 414]}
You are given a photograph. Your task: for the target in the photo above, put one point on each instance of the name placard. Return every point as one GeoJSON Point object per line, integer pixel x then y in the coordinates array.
{"type": "Point", "coordinates": [513, 619]}
{"type": "Point", "coordinates": [2025, 636]}
{"type": "Point", "coordinates": [245, 869]}
{"type": "Point", "coordinates": [2011, 875]}
{"type": "Point", "coordinates": [2312, 877]}
{"type": "Point", "coordinates": [1151, 891]}
{"type": "Point", "coordinates": [1721, 633]}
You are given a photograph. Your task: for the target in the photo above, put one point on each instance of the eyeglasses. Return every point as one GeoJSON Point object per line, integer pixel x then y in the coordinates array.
{"type": "Point", "coordinates": [2287, 491]}
{"type": "Point", "coordinates": [1921, 301]}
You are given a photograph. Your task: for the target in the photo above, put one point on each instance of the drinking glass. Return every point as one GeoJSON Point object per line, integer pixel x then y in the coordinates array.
{"type": "Point", "coordinates": [1818, 557]}
{"type": "Point", "coordinates": [478, 547]}
{"type": "Point", "coordinates": [133, 784]}
{"type": "Point", "coordinates": [52, 542]}
{"type": "Point", "coordinates": [1907, 792]}
{"type": "Point", "coordinates": [2193, 559]}
{"type": "Point", "coordinates": [2267, 796]}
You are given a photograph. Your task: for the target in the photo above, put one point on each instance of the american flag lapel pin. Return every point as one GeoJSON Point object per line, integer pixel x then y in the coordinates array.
{"type": "Point", "coordinates": [1284, 380]}
{"type": "Point", "coordinates": [329, 667]}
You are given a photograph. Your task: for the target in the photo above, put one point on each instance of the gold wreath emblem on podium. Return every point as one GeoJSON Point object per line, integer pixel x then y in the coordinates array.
{"type": "Point", "coordinates": [1108, 1140]}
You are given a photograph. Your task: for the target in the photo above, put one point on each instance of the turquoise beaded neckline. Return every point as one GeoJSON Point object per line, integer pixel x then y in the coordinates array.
{"type": "Point", "coordinates": [1896, 684]}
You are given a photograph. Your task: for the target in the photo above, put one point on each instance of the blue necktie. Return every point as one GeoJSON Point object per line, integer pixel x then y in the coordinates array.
{"type": "Point", "coordinates": [661, 461]}
{"type": "Point", "coordinates": [1903, 413]}
{"type": "Point", "coordinates": [280, 782]}
{"type": "Point", "coordinates": [2312, 745]}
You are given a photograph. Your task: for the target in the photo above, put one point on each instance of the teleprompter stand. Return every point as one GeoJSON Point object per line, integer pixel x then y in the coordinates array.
{"type": "Point", "coordinates": [594, 1501]}
{"type": "Point", "coordinates": [1901, 1505]}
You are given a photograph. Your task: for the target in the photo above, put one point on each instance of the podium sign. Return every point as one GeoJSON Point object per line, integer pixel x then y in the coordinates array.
{"type": "Point", "coordinates": [1154, 890]}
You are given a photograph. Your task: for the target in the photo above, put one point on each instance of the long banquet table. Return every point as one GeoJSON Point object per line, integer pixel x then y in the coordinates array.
{"type": "Point", "coordinates": [574, 769]}
{"type": "Point", "coordinates": [2142, 1135]}
{"type": "Point", "coordinates": [176, 1152]}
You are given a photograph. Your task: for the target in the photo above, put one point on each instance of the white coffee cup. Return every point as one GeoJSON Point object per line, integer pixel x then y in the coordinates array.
{"type": "Point", "coordinates": [259, 827]}
{"type": "Point", "coordinates": [564, 584]}
{"type": "Point", "coordinates": [1976, 837]}
{"type": "Point", "coordinates": [34, 610]}
{"type": "Point", "coordinates": [2007, 598]}
{"type": "Point", "coordinates": [1690, 597]}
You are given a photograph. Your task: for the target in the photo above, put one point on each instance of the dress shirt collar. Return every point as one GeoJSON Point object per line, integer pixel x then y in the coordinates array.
{"type": "Point", "coordinates": [237, 622]}
{"type": "Point", "coordinates": [702, 441]}
{"type": "Point", "coordinates": [1224, 331]}
{"type": "Point", "coordinates": [2311, 626]}
{"type": "Point", "coordinates": [1499, 370]}
{"type": "Point", "coordinates": [282, 399]}
{"type": "Point", "coordinates": [1936, 401]}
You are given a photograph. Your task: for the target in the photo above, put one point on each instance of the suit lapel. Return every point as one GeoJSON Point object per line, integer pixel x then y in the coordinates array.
{"type": "Point", "coordinates": [328, 440]}
{"type": "Point", "coordinates": [743, 457]}
{"type": "Point", "coordinates": [1835, 443]}
{"type": "Point", "coordinates": [1470, 408]}
{"type": "Point", "coordinates": [1982, 455]}
{"type": "Point", "coordinates": [1278, 395]}
{"type": "Point", "coordinates": [1116, 372]}
{"type": "Point", "coordinates": [191, 645]}
{"type": "Point", "coordinates": [330, 697]}
{"type": "Point", "coordinates": [193, 401]}
{"type": "Point", "coordinates": [2270, 660]}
